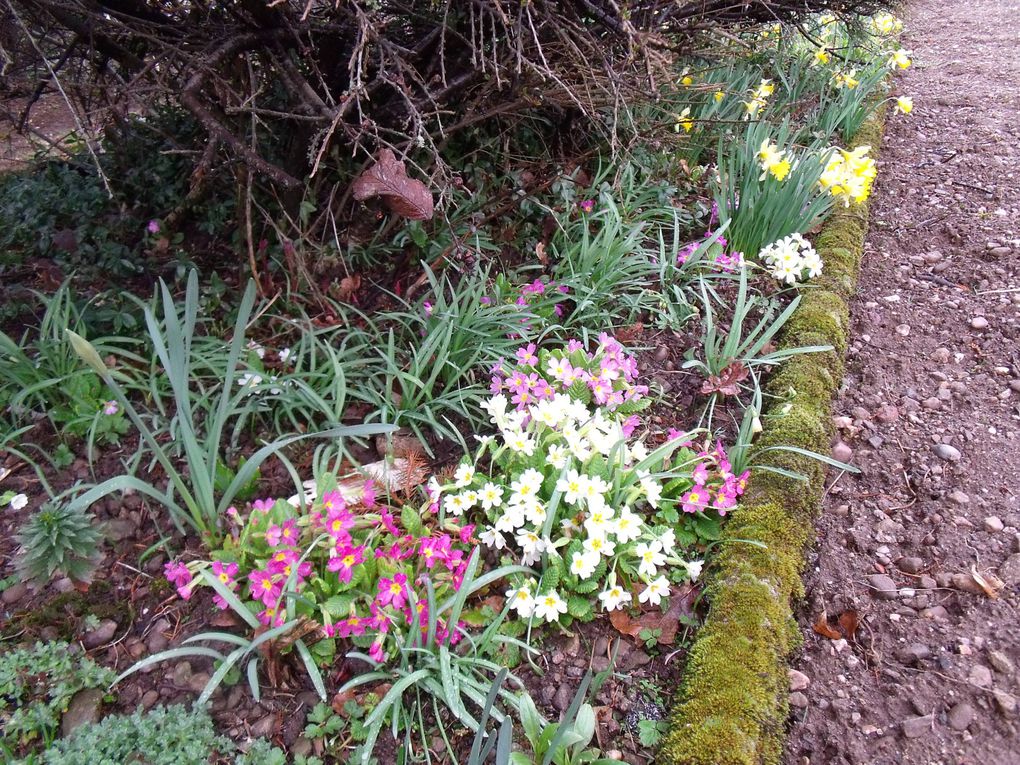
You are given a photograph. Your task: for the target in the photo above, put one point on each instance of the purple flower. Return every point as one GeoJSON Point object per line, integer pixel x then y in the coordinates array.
{"type": "Point", "coordinates": [153, 227]}
{"type": "Point", "coordinates": [110, 408]}
{"type": "Point", "coordinates": [587, 205]}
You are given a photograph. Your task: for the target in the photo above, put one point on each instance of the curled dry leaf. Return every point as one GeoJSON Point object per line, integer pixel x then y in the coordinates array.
{"type": "Point", "coordinates": [990, 583]}
{"type": "Point", "coordinates": [727, 383]}
{"type": "Point", "coordinates": [387, 178]}
{"type": "Point", "coordinates": [540, 254]}
{"type": "Point", "coordinates": [848, 622]}
{"type": "Point", "coordinates": [823, 628]}
{"type": "Point", "coordinates": [681, 603]}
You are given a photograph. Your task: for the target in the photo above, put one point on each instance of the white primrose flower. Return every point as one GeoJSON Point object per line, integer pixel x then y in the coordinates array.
{"type": "Point", "coordinates": [614, 597]}
{"type": "Point", "coordinates": [464, 475]}
{"type": "Point", "coordinates": [694, 569]}
{"type": "Point", "coordinates": [492, 538]}
{"type": "Point", "coordinates": [579, 446]}
{"type": "Point", "coordinates": [521, 600]}
{"type": "Point", "coordinates": [518, 441]}
{"type": "Point", "coordinates": [637, 451]}
{"type": "Point", "coordinates": [583, 564]}
{"type": "Point", "coordinates": [557, 456]}
{"type": "Point", "coordinates": [627, 527]}
{"type": "Point", "coordinates": [491, 495]}
{"type": "Point", "coordinates": [655, 591]}
{"type": "Point", "coordinates": [19, 502]}
{"type": "Point", "coordinates": [600, 521]}
{"type": "Point", "coordinates": [603, 546]}
{"type": "Point", "coordinates": [496, 408]}
{"type": "Point", "coordinates": [535, 512]}
{"type": "Point", "coordinates": [668, 541]}
{"type": "Point", "coordinates": [433, 489]}
{"type": "Point", "coordinates": [571, 487]}
{"type": "Point", "coordinates": [511, 520]}
{"type": "Point", "coordinates": [456, 504]}
{"type": "Point", "coordinates": [530, 542]}
{"type": "Point", "coordinates": [528, 483]}
{"type": "Point", "coordinates": [568, 527]}
{"type": "Point", "coordinates": [249, 380]}
{"type": "Point", "coordinates": [550, 606]}
{"type": "Point", "coordinates": [651, 488]}
{"type": "Point", "coordinates": [649, 557]}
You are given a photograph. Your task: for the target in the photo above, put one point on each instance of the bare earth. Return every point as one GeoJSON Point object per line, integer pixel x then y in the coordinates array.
{"type": "Point", "coordinates": [930, 676]}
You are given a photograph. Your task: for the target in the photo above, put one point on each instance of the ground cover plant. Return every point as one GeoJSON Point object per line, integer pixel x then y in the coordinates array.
{"type": "Point", "coordinates": [443, 488]}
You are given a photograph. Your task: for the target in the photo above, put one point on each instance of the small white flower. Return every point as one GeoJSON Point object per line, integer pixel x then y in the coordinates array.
{"type": "Point", "coordinates": [655, 591]}
{"type": "Point", "coordinates": [433, 489]}
{"type": "Point", "coordinates": [519, 442]}
{"type": "Point", "coordinates": [668, 541]}
{"type": "Point", "coordinates": [512, 519]}
{"type": "Point", "coordinates": [694, 569]}
{"type": "Point", "coordinates": [550, 606]}
{"type": "Point", "coordinates": [615, 597]}
{"type": "Point", "coordinates": [492, 538]}
{"type": "Point", "coordinates": [638, 451]}
{"type": "Point", "coordinates": [530, 542]}
{"type": "Point", "coordinates": [571, 487]}
{"type": "Point", "coordinates": [628, 526]}
{"type": "Point", "coordinates": [249, 380]}
{"type": "Point", "coordinates": [491, 495]}
{"type": "Point", "coordinates": [464, 475]}
{"type": "Point", "coordinates": [285, 354]}
{"type": "Point", "coordinates": [258, 349]}
{"type": "Point", "coordinates": [583, 564]}
{"type": "Point", "coordinates": [19, 502]}
{"type": "Point", "coordinates": [496, 407]}
{"type": "Point", "coordinates": [649, 557]}
{"type": "Point", "coordinates": [557, 456]}
{"type": "Point", "coordinates": [599, 521]}
{"type": "Point", "coordinates": [521, 600]}
{"type": "Point", "coordinates": [600, 545]}
{"type": "Point", "coordinates": [456, 504]}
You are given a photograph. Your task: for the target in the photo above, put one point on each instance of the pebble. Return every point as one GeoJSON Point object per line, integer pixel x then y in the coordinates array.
{"type": "Point", "coordinates": [994, 524]}
{"type": "Point", "coordinates": [882, 586]}
{"type": "Point", "coordinates": [947, 452]}
{"type": "Point", "coordinates": [798, 700]}
{"type": "Point", "coordinates": [1009, 572]}
{"type": "Point", "coordinates": [842, 452]}
{"type": "Point", "coordinates": [979, 322]}
{"type": "Point", "coordinates": [903, 329]}
{"type": "Point", "coordinates": [798, 680]}
{"type": "Point", "coordinates": [966, 583]}
{"type": "Point", "coordinates": [980, 676]}
{"type": "Point", "coordinates": [149, 698]}
{"type": "Point", "coordinates": [958, 498]}
{"type": "Point", "coordinates": [102, 634]}
{"type": "Point", "coordinates": [1001, 662]}
{"type": "Point", "coordinates": [1005, 702]}
{"type": "Point", "coordinates": [961, 716]}
{"type": "Point", "coordinates": [84, 709]}
{"type": "Point", "coordinates": [935, 612]}
{"type": "Point", "coordinates": [562, 698]}
{"type": "Point", "coordinates": [916, 727]}
{"type": "Point", "coordinates": [913, 653]}
{"type": "Point", "coordinates": [911, 565]}
{"type": "Point", "coordinates": [14, 593]}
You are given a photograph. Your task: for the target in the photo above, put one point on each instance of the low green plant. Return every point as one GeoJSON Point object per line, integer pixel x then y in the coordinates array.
{"type": "Point", "coordinates": [650, 732]}
{"type": "Point", "coordinates": [59, 538]}
{"type": "Point", "coordinates": [171, 735]}
{"type": "Point", "coordinates": [37, 684]}
{"type": "Point", "coordinates": [199, 495]}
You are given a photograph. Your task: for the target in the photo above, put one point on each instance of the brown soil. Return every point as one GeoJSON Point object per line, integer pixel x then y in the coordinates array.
{"type": "Point", "coordinates": [930, 674]}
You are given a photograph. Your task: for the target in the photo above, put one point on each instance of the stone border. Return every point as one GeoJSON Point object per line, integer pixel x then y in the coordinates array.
{"type": "Point", "coordinates": [733, 701]}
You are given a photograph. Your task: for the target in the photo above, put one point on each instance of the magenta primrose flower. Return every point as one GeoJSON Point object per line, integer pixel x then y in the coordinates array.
{"type": "Point", "coordinates": [263, 505]}
{"type": "Point", "coordinates": [526, 355]}
{"type": "Point", "coordinates": [587, 205]}
{"type": "Point", "coordinates": [265, 587]}
{"type": "Point", "coordinates": [333, 500]}
{"type": "Point", "coordinates": [392, 592]}
{"type": "Point", "coordinates": [345, 561]}
{"type": "Point", "coordinates": [110, 408]}
{"type": "Point", "coordinates": [153, 227]}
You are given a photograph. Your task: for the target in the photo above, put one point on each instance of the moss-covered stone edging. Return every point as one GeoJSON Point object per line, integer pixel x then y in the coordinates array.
{"type": "Point", "coordinates": [733, 700]}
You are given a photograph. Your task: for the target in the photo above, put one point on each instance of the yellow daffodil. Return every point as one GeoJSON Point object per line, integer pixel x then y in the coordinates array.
{"type": "Point", "coordinates": [900, 58]}
{"type": "Point", "coordinates": [904, 104]}
{"type": "Point", "coordinates": [822, 56]}
{"type": "Point", "coordinates": [683, 120]}
{"type": "Point", "coordinates": [848, 175]}
{"type": "Point", "coordinates": [773, 161]}
{"type": "Point", "coordinates": [846, 79]}
{"type": "Point", "coordinates": [886, 24]}
{"type": "Point", "coordinates": [718, 96]}
{"type": "Point", "coordinates": [765, 89]}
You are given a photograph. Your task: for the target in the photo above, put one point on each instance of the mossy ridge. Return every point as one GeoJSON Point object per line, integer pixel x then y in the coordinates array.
{"type": "Point", "coordinates": [732, 704]}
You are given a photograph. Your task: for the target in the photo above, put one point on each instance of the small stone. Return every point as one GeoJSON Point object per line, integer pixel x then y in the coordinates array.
{"type": "Point", "coordinates": [149, 698]}
{"type": "Point", "coordinates": [931, 403]}
{"type": "Point", "coordinates": [961, 716]}
{"type": "Point", "coordinates": [910, 565]}
{"type": "Point", "coordinates": [966, 583]}
{"type": "Point", "coordinates": [958, 498]}
{"type": "Point", "coordinates": [994, 524]}
{"type": "Point", "coordinates": [1001, 662]}
{"type": "Point", "coordinates": [84, 709]}
{"type": "Point", "coordinates": [562, 698]}
{"type": "Point", "coordinates": [1005, 702]}
{"type": "Point", "coordinates": [635, 659]}
{"type": "Point", "coordinates": [842, 452]}
{"type": "Point", "coordinates": [887, 413]}
{"type": "Point", "coordinates": [198, 681]}
{"type": "Point", "coordinates": [980, 676]}
{"type": "Point", "coordinates": [798, 700]}
{"type": "Point", "coordinates": [882, 586]}
{"type": "Point", "coordinates": [1009, 572]}
{"type": "Point", "coordinates": [903, 329]}
{"type": "Point", "coordinates": [102, 634]}
{"type": "Point", "coordinates": [14, 593]}
{"type": "Point", "coordinates": [947, 452]}
{"type": "Point", "coordinates": [302, 747]}
{"type": "Point", "coordinates": [119, 529]}
{"type": "Point", "coordinates": [938, 613]}
{"type": "Point", "coordinates": [798, 680]}
{"type": "Point", "coordinates": [916, 727]}
{"type": "Point", "coordinates": [979, 322]}
{"type": "Point", "coordinates": [913, 653]}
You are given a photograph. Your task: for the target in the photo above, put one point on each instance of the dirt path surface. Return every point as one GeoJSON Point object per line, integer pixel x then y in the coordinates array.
{"type": "Point", "coordinates": [930, 412]}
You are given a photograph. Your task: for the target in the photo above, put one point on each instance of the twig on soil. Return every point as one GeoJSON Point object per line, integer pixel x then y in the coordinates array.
{"type": "Point", "coordinates": [972, 186]}
{"type": "Point", "coordinates": [997, 292]}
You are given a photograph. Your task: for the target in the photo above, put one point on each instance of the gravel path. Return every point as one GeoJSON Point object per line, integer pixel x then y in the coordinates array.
{"type": "Point", "coordinates": [930, 415]}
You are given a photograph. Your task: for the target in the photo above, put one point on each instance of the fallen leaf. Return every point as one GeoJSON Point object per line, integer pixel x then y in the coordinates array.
{"type": "Point", "coordinates": [630, 333]}
{"type": "Point", "coordinates": [540, 254]}
{"type": "Point", "coordinates": [681, 603]}
{"type": "Point", "coordinates": [848, 622]}
{"type": "Point", "coordinates": [990, 583]}
{"type": "Point", "coordinates": [823, 628]}
{"type": "Point", "coordinates": [727, 382]}
{"type": "Point", "coordinates": [387, 178]}
{"type": "Point", "coordinates": [349, 287]}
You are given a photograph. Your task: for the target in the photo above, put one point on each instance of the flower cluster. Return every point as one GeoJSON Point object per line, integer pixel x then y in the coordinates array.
{"type": "Point", "coordinates": [773, 161]}
{"type": "Point", "coordinates": [886, 24]}
{"type": "Point", "coordinates": [728, 262]}
{"type": "Point", "coordinates": [848, 175]}
{"type": "Point", "coordinates": [899, 58]}
{"type": "Point", "coordinates": [759, 99]}
{"type": "Point", "coordinates": [570, 489]}
{"type": "Point", "coordinates": [846, 79]}
{"type": "Point", "coordinates": [606, 377]}
{"type": "Point", "coordinates": [792, 258]}
{"type": "Point", "coordinates": [359, 575]}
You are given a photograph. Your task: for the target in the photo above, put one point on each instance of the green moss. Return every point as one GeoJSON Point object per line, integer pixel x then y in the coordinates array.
{"type": "Point", "coordinates": [732, 705]}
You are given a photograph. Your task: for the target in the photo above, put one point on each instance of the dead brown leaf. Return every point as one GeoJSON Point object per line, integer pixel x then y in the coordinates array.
{"type": "Point", "coordinates": [387, 178]}
{"type": "Point", "coordinates": [823, 628]}
{"type": "Point", "coordinates": [349, 287]}
{"type": "Point", "coordinates": [540, 254]}
{"type": "Point", "coordinates": [990, 583]}
{"type": "Point", "coordinates": [848, 622]}
{"type": "Point", "coordinates": [727, 383]}
{"type": "Point", "coordinates": [681, 603]}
